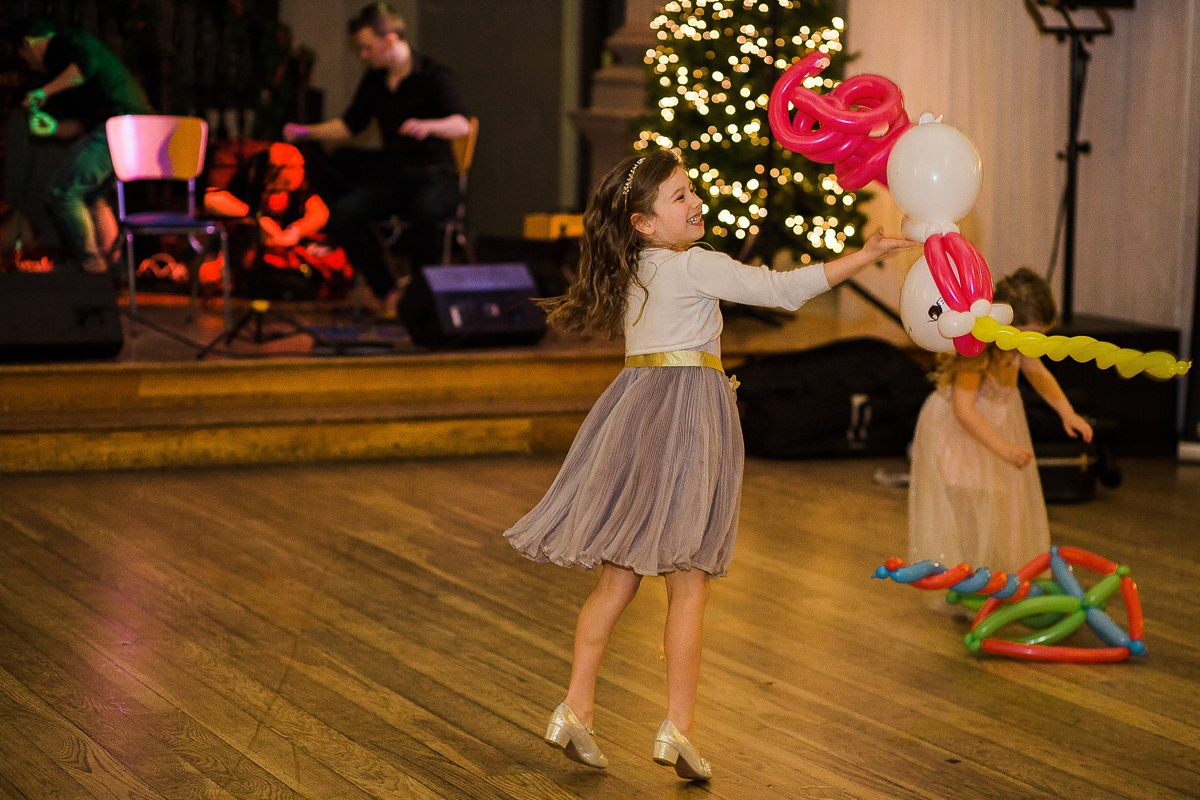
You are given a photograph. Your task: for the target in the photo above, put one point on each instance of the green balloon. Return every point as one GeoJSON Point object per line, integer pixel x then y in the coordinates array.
{"type": "Point", "coordinates": [1061, 604]}
{"type": "Point", "coordinates": [1061, 630]}
{"type": "Point", "coordinates": [1048, 586]}
{"type": "Point", "coordinates": [971, 602]}
{"type": "Point", "coordinates": [1095, 596]}
{"type": "Point", "coordinates": [1039, 621]}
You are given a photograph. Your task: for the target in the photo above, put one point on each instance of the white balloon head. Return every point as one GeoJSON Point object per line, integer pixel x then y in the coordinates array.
{"type": "Point", "coordinates": [920, 306]}
{"type": "Point", "coordinates": [934, 175]}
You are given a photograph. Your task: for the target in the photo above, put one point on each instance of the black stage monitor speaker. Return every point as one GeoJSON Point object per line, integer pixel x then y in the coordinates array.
{"type": "Point", "coordinates": [66, 315]}
{"type": "Point", "coordinates": [472, 305]}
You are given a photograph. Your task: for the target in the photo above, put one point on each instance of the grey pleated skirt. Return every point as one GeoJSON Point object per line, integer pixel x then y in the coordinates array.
{"type": "Point", "coordinates": [652, 482]}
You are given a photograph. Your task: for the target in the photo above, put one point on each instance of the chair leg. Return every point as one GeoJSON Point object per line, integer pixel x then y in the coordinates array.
{"type": "Point", "coordinates": [133, 329]}
{"type": "Point", "coordinates": [226, 275]}
{"type": "Point", "coordinates": [461, 237]}
{"type": "Point", "coordinates": [194, 277]}
{"type": "Point", "coordinates": [447, 239]}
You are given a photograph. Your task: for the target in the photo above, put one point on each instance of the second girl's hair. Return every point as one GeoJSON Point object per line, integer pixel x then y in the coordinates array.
{"type": "Point", "coordinates": [1030, 296]}
{"type": "Point", "coordinates": [608, 258]}
{"type": "Point", "coordinates": [1032, 302]}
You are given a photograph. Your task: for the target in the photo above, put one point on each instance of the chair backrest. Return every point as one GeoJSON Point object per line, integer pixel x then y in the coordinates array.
{"type": "Point", "coordinates": [464, 147]}
{"type": "Point", "coordinates": [157, 147]}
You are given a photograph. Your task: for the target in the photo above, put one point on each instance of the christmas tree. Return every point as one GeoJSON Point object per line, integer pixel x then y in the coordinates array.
{"type": "Point", "coordinates": [710, 78]}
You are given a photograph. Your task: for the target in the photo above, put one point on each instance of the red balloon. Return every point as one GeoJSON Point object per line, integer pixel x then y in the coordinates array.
{"type": "Point", "coordinates": [968, 345]}
{"type": "Point", "coordinates": [962, 283]}
{"type": "Point", "coordinates": [1036, 567]}
{"type": "Point", "coordinates": [852, 127]}
{"type": "Point", "coordinates": [943, 274]}
{"type": "Point", "coordinates": [995, 584]}
{"type": "Point", "coordinates": [1037, 652]}
{"type": "Point", "coordinates": [985, 611]}
{"type": "Point", "coordinates": [1133, 606]}
{"type": "Point", "coordinates": [1087, 559]}
{"type": "Point", "coordinates": [943, 580]}
{"type": "Point", "coordinates": [973, 271]}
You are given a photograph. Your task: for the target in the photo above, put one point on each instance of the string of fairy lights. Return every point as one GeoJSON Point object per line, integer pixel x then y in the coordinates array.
{"type": "Point", "coordinates": [711, 102]}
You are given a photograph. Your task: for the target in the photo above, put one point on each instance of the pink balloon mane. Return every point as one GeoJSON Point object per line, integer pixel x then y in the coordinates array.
{"type": "Point", "coordinates": [971, 282]}
{"type": "Point", "coordinates": [853, 127]}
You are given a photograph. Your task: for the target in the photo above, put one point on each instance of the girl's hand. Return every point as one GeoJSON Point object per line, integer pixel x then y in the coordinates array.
{"type": "Point", "coordinates": [274, 236]}
{"type": "Point", "coordinates": [295, 133]}
{"type": "Point", "coordinates": [270, 227]}
{"type": "Point", "coordinates": [1076, 426]}
{"type": "Point", "coordinates": [1018, 456]}
{"type": "Point", "coordinates": [34, 99]}
{"type": "Point", "coordinates": [879, 246]}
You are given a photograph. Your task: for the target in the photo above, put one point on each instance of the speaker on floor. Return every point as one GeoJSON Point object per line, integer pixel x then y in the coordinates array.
{"type": "Point", "coordinates": [472, 305]}
{"type": "Point", "coordinates": [63, 315]}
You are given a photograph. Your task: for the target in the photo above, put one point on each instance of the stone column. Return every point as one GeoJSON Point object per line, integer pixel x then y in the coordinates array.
{"type": "Point", "coordinates": [618, 90]}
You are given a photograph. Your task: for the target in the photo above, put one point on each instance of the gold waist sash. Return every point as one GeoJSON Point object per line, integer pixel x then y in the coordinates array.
{"type": "Point", "coordinates": [676, 358]}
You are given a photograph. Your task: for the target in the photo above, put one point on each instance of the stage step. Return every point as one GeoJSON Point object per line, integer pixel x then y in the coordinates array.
{"type": "Point", "coordinates": [133, 416]}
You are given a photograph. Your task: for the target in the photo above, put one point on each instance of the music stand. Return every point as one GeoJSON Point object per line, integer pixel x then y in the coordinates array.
{"type": "Point", "coordinates": [1079, 22]}
{"type": "Point", "coordinates": [261, 310]}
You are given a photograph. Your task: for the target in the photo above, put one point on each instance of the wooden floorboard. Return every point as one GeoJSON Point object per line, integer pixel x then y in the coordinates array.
{"type": "Point", "coordinates": [363, 630]}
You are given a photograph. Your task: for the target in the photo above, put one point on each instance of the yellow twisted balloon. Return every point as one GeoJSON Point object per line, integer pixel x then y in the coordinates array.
{"type": "Point", "coordinates": [1128, 362]}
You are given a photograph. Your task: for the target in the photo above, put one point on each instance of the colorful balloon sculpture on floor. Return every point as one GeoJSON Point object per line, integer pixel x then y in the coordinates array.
{"type": "Point", "coordinates": [934, 174]}
{"type": "Point", "coordinates": [1056, 608]}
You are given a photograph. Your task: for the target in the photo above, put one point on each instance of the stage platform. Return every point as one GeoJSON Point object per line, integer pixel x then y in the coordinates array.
{"type": "Point", "coordinates": [367, 393]}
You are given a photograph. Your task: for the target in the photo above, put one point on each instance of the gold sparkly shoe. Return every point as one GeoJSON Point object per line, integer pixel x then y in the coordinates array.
{"type": "Point", "coordinates": [672, 749]}
{"type": "Point", "coordinates": [565, 730]}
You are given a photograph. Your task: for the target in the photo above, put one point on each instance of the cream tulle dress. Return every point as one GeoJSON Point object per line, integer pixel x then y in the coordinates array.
{"type": "Point", "coordinates": [965, 503]}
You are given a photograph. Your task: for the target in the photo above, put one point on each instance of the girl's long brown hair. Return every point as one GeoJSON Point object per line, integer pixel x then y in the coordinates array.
{"type": "Point", "coordinates": [1032, 301]}
{"type": "Point", "coordinates": [608, 258]}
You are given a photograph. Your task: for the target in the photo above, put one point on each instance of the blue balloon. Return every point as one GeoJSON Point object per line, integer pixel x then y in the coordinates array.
{"type": "Point", "coordinates": [1063, 574]}
{"type": "Point", "coordinates": [1106, 629]}
{"type": "Point", "coordinates": [973, 583]}
{"type": "Point", "coordinates": [1010, 588]}
{"type": "Point", "coordinates": [914, 572]}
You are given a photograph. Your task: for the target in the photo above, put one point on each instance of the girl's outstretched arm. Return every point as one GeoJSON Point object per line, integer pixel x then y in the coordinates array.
{"type": "Point", "coordinates": [1045, 384]}
{"type": "Point", "coordinates": [966, 389]}
{"type": "Point", "coordinates": [875, 248]}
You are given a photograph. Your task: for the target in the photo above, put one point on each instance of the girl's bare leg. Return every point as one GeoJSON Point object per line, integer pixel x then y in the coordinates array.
{"type": "Point", "coordinates": [615, 588]}
{"type": "Point", "coordinates": [687, 595]}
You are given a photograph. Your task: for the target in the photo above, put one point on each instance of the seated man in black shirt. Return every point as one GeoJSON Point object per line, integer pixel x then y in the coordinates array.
{"type": "Point", "coordinates": [88, 86]}
{"type": "Point", "coordinates": [419, 112]}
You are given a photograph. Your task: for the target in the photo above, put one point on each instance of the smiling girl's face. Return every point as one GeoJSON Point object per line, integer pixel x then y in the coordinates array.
{"type": "Point", "coordinates": [677, 219]}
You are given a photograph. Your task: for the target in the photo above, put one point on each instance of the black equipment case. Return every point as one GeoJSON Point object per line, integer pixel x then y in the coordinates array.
{"type": "Point", "coordinates": [855, 397]}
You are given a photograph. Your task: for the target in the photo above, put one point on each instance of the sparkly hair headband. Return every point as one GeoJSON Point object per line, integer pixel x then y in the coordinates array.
{"type": "Point", "coordinates": [629, 180]}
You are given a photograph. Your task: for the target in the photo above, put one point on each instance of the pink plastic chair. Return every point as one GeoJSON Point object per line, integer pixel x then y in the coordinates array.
{"type": "Point", "coordinates": [148, 147]}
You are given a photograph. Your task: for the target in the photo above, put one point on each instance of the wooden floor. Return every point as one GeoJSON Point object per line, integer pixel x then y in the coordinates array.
{"type": "Point", "coordinates": [362, 630]}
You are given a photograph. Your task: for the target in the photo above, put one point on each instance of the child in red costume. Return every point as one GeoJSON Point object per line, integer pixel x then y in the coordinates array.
{"type": "Point", "coordinates": [271, 187]}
